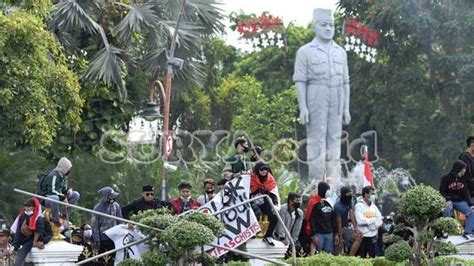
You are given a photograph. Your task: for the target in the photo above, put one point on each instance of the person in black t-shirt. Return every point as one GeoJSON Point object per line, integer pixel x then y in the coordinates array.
{"type": "Point", "coordinates": [323, 221]}
{"type": "Point", "coordinates": [146, 202]}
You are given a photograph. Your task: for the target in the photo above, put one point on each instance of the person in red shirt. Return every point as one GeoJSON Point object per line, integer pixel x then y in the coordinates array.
{"type": "Point", "coordinates": [184, 202]}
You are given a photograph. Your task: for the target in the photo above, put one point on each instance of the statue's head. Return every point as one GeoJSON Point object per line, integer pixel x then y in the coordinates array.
{"type": "Point", "coordinates": [323, 24]}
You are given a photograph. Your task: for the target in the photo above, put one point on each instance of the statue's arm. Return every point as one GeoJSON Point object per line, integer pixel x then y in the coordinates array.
{"type": "Point", "coordinates": [346, 82]}
{"type": "Point", "coordinates": [300, 78]}
{"type": "Point", "coordinates": [346, 115]}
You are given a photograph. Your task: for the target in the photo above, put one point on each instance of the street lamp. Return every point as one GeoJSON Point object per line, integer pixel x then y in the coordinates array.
{"type": "Point", "coordinates": [151, 111]}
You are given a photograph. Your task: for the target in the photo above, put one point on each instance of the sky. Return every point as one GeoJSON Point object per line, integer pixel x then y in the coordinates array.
{"type": "Point", "coordinates": [297, 11]}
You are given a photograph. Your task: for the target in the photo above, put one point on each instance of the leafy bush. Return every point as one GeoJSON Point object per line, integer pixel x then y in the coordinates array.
{"type": "Point", "coordinates": [329, 260]}
{"type": "Point", "coordinates": [399, 252]}
{"type": "Point", "coordinates": [382, 261]}
{"type": "Point", "coordinates": [186, 235]}
{"type": "Point", "coordinates": [421, 203]}
{"type": "Point", "coordinates": [443, 261]}
{"type": "Point", "coordinates": [151, 258]}
{"type": "Point", "coordinates": [130, 262]}
{"type": "Point", "coordinates": [392, 238]}
{"type": "Point", "coordinates": [445, 225]}
{"type": "Point", "coordinates": [158, 218]}
{"type": "Point", "coordinates": [447, 248]}
{"type": "Point", "coordinates": [210, 221]}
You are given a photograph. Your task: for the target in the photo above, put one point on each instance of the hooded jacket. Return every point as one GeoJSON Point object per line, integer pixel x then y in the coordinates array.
{"type": "Point", "coordinates": [453, 187]}
{"type": "Point", "coordinates": [100, 223]}
{"type": "Point", "coordinates": [468, 159]}
{"type": "Point", "coordinates": [55, 183]}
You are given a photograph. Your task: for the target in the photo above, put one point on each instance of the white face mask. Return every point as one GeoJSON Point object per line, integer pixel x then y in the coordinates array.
{"type": "Point", "coordinates": [88, 233]}
{"type": "Point", "coordinates": [28, 213]}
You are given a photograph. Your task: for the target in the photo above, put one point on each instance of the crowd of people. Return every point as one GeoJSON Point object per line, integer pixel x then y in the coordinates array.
{"type": "Point", "coordinates": [352, 225]}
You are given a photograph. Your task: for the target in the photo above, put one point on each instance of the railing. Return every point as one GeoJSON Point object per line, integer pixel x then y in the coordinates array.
{"type": "Point", "coordinates": [160, 230]}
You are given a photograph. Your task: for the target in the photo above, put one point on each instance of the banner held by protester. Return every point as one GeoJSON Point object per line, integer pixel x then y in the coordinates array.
{"type": "Point", "coordinates": [240, 223]}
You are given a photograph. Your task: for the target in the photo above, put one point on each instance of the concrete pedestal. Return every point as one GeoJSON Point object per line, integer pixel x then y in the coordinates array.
{"type": "Point", "coordinates": [55, 253]}
{"type": "Point", "coordinates": [258, 247]}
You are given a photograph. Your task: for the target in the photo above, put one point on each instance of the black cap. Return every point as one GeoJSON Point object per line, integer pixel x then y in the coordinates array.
{"type": "Point", "coordinates": [77, 232]}
{"type": "Point", "coordinates": [148, 188]}
{"type": "Point", "coordinates": [4, 231]}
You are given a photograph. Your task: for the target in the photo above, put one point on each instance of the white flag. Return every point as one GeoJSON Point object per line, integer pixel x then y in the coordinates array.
{"type": "Point", "coordinates": [121, 236]}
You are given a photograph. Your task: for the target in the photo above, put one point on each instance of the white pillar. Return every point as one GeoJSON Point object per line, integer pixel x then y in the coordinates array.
{"type": "Point", "coordinates": [55, 253]}
{"type": "Point", "coordinates": [258, 247]}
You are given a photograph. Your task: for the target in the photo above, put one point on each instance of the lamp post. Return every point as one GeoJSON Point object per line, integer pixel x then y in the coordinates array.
{"type": "Point", "coordinates": [152, 110]}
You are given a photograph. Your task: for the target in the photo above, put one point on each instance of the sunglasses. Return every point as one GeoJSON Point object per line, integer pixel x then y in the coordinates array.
{"type": "Point", "coordinates": [149, 194]}
{"type": "Point", "coordinates": [264, 169]}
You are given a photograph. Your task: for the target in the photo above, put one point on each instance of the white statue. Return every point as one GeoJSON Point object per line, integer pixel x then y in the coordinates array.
{"type": "Point", "coordinates": [322, 81]}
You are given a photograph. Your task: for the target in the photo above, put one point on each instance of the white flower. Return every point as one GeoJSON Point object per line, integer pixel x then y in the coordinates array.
{"type": "Point", "coordinates": [280, 43]}
{"type": "Point", "coordinates": [374, 52]}
{"type": "Point", "coordinates": [357, 40]}
{"type": "Point", "coordinates": [353, 39]}
{"type": "Point", "coordinates": [255, 42]}
{"type": "Point", "coordinates": [278, 36]}
{"type": "Point", "coordinates": [265, 43]}
{"type": "Point", "coordinates": [271, 35]}
{"type": "Point", "coordinates": [373, 60]}
{"type": "Point", "coordinates": [348, 40]}
{"type": "Point", "coordinates": [363, 47]}
{"type": "Point", "coordinates": [357, 49]}
{"type": "Point", "coordinates": [347, 47]}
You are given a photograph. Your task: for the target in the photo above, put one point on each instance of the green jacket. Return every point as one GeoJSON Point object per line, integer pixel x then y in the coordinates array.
{"type": "Point", "coordinates": [54, 184]}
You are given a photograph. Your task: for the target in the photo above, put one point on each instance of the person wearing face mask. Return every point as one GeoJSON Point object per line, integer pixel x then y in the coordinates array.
{"type": "Point", "coordinates": [146, 202]}
{"type": "Point", "coordinates": [292, 217]}
{"type": "Point", "coordinates": [55, 186]}
{"type": "Point", "coordinates": [349, 234]}
{"type": "Point", "coordinates": [238, 164]}
{"type": "Point", "coordinates": [323, 221]}
{"type": "Point", "coordinates": [455, 190]}
{"type": "Point", "coordinates": [263, 183]}
{"type": "Point", "coordinates": [30, 229]}
{"type": "Point", "coordinates": [100, 224]}
{"type": "Point", "coordinates": [209, 191]}
{"type": "Point", "coordinates": [184, 202]}
{"type": "Point", "coordinates": [87, 232]}
{"type": "Point", "coordinates": [369, 219]}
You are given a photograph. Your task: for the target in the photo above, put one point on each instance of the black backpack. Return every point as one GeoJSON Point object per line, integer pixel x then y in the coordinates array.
{"type": "Point", "coordinates": [39, 184]}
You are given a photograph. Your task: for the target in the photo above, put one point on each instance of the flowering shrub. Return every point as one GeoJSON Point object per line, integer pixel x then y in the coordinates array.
{"type": "Point", "coordinates": [262, 31]}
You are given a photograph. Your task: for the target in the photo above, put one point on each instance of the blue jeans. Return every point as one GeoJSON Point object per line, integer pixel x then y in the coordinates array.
{"type": "Point", "coordinates": [74, 199]}
{"type": "Point", "coordinates": [326, 242]}
{"type": "Point", "coordinates": [463, 207]}
{"type": "Point", "coordinates": [23, 252]}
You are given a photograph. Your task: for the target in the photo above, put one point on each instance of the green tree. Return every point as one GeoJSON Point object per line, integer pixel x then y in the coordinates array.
{"type": "Point", "coordinates": [133, 34]}
{"type": "Point", "coordinates": [39, 95]}
{"type": "Point", "coordinates": [417, 95]}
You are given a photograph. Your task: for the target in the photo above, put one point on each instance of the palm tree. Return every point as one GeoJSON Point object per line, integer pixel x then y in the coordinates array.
{"type": "Point", "coordinates": [135, 34]}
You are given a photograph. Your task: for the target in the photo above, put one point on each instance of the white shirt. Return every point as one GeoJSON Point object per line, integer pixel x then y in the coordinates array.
{"type": "Point", "coordinates": [368, 218]}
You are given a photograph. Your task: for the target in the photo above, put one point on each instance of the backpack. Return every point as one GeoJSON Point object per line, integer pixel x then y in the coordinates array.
{"type": "Point", "coordinates": [39, 184]}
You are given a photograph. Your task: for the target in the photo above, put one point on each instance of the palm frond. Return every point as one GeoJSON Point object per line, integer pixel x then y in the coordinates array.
{"type": "Point", "coordinates": [138, 17]}
{"type": "Point", "coordinates": [207, 13]}
{"type": "Point", "coordinates": [155, 61]}
{"type": "Point", "coordinates": [107, 66]}
{"type": "Point", "coordinates": [67, 15]}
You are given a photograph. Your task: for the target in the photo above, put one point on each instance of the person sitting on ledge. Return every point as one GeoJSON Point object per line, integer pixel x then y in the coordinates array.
{"type": "Point", "coordinates": [455, 190]}
{"type": "Point", "coordinates": [31, 230]}
{"type": "Point", "coordinates": [263, 183]}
